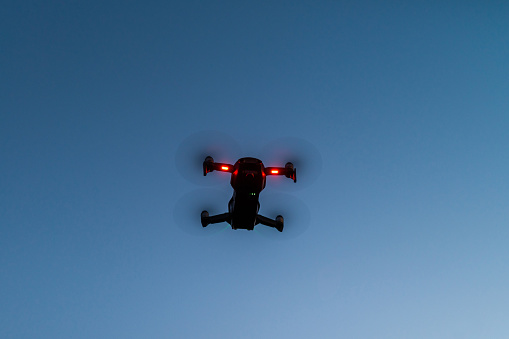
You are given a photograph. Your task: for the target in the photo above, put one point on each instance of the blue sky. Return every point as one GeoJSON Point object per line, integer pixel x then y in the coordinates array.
{"type": "Point", "coordinates": [407, 104]}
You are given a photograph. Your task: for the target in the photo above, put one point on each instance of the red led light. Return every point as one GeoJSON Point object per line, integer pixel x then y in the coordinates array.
{"type": "Point", "coordinates": [225, 168]}
{"type": "Point", "coordinates": [274, 171]}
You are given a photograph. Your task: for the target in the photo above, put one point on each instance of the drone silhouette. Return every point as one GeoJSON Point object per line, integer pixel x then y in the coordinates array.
{"type": "Point", "coordinates": [248, 178]}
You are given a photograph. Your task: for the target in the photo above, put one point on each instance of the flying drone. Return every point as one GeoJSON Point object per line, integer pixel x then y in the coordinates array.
{"type": "Point", "coordinates": [248, 177]}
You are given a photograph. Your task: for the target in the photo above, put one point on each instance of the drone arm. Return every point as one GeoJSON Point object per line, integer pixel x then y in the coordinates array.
{"type": "Point", "coordinates": [210, 165]}
{"type": "Point", "coordinates": [260, 219]}
{"type": "Point", "coordinates": [214, 219]}
{"type": "Point", "coordinates": [277, 223]}
{"type": "Point", "coordinates": [222, 167]}
{"type": "Point", "coordinates": [287, 171]}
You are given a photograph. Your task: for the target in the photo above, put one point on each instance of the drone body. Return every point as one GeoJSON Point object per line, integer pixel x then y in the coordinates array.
{"type": "Point", "coordinates": [248, 178]}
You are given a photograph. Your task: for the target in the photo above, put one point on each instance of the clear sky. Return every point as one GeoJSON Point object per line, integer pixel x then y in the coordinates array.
{"type": "Point", "coordinates": [408, 105]}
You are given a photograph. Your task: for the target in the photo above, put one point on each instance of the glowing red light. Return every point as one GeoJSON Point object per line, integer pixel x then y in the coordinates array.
{"type": "Point", "coordinates": [225, 168]}
{"type": "Point", "coordinates": [274, 171]}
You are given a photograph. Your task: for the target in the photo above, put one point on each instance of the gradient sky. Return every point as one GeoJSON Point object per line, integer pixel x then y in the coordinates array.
{"type": "Point", "coordinates": [407, 103]}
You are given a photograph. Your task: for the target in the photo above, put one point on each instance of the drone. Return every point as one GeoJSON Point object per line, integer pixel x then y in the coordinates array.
{"type": "Point", "coordinates": [248, 180]}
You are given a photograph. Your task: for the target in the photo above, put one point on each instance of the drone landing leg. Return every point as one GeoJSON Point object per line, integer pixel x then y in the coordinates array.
{"type": "Point", "coordinates": [214, 219]}
{"type": "Point", "coordinates": [277, 224]}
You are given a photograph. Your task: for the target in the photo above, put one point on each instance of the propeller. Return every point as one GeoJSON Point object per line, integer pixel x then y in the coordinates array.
{"type": "Point", "coordinates": [296, 214]}
{"type": "Point", "coordinates": [187, 211]}
{"type": "Point", "coordinates": [193, 150]}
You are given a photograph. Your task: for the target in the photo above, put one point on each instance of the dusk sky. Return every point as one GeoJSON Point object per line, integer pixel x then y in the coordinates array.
{"type": "Point", "coordinates": [401, 232]}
